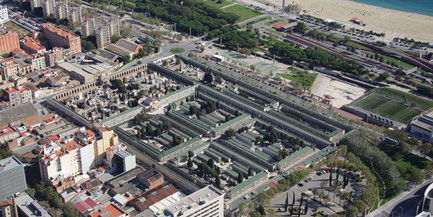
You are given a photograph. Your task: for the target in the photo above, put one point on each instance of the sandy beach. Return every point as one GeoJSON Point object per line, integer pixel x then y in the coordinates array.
{"type": "Point", "coordinates": [393, 23]}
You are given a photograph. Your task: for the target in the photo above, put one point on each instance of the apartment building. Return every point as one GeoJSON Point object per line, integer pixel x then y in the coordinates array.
{"type": "Point", "coordinates": [88, 26]}
{"type": "Point", "coordinates": [4, 16]}
{"type": "Point", "coordinates": [60, 38]}
{"type": "Point", "coordinates": [8, 68]}
{"type": "Point", "coordinates": [66, 159]}
{"type": "Point", "coordinates": [57, 54]}
{"type": "Point", "coordinates": [37, 62]}
{"type": "Point", "coordinates": [62, 11]}
{"type": "Point", "coordinates": [32, 46]}
{"type": "Point", "coordinates": [35, 4]}
{"type": "Point", "coordinates": [208, 201]}
{"type": "Point", "coordinates": [48, 7]}
{"type": "Point", "coordinates": [8, 42]}
{"type": "Point", "coordinates": [75, 14]}
{"type": "Point", "coordinates": [12, 177]}
{"type": "Point", "coordinates": [18, 96]}
{"type": "Point", "coordinates": [107, 27]}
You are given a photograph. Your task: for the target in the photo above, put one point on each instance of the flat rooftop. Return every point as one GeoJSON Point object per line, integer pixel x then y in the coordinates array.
{"type": "Point", "coordinates": [195, 199]}
{"type": "Point", "coordinates": [30, 206]}
{"type": "Point", "coordinates": [9, 163]}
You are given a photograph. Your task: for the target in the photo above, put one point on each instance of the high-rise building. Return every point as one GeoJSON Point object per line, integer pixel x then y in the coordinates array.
{"type": "Point", "coordinates": [60, 38]}
{"type": "Point", "coordinates": [62, 11]}
{"type": "Point", "coordinates": [88, 26]}
{"type": "Point", "coordinates": [208, 201]}
{"type": "Point", "coordinates": [107, 27]}
{"type": "Point", "coordinates": [4, 16]}
{"type": "Point", "coordinates": [8, 42]}
{"type": "Point", "coordinates": [75, 14]}
{"type": "Point", "coordinates": [48, 7]}
{"type": "Point", "coordinates": [35, 3]}
{"type": "Point", "coordinates": [12, 177]}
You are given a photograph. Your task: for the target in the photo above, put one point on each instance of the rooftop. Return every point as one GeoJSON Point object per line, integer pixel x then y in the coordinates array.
{"type": "Point", "coordinates": [9, 163]}
{"type": "Point", "coordinates": [108, 211]}
{"type": "Point", "coordinates": [30, 206]}
{"type": "Point", "coordinates": [195, 199]}
{"type": "Point", "coordinates": [58, 31]}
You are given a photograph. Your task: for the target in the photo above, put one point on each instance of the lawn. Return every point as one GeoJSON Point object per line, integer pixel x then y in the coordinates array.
{"type": "Point", "coordinates": [398, 62]}
{"type": "Point", "coordinates": [357, 45]}
{"type": "Point", "coordinates": [259, 20]}
{"type": "Point", "coordinates": [393, 104]}
{"type": "Point", "coordinates": [273, 31]}
{"type": "Point", "coordinates": [214, 3]}
{"type": "Point", "coordinates": [273, 21]}
{"type": "Point", "coordinates": [177, 50]}
{"type": "Point", "coordinates": [243, 12]}
{"type": "Point", "coordinates": [301, 78]}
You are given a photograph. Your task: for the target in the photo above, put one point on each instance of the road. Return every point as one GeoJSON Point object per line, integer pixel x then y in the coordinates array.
{"type": "Point", "coordinates": [404, 205]}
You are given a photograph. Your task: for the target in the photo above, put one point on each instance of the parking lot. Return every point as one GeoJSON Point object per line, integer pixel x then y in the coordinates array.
{"type": "Point", "coordinates": [329, 203]}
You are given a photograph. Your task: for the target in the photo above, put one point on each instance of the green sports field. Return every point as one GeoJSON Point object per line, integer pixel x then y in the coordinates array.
{"type": "Point", "coordinates": [393, 104]}
{"type": "Point", "coordinates": [243, 12]}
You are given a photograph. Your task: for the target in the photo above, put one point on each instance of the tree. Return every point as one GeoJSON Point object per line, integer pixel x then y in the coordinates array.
{"type": "Point", "coordinates": [286, 204]}
{"type": "Point", "coordinates": [115, 38]}
{"type": "Point", "coordinates": [352, 211]}
{"type": "Point", "coordinates": [211, 163]}
{"type": "Point", "coordinates": [261, 210]}
{"type": "Point", "coordinates": [208, 77]}
{"type": "Point", "coordinates": [383, 76]}
{"type": "Point", "coordinates": [192, 110]}
{"type": "Point", "coordinates": [330, 177]}
{"type": "Point", "coordinates": [338, 174]}
{"type": "Point", "coordinates": [126, 59]}
{"type": "Point", "coordinates": [190, 154]}
{"type": "Point", "coordinates": [230, 133]}
{"type": "Point", "coordinates": [250, 171]}
{"type": "Point", "coordinates": [189, 163]}
{"type": "Point", "coordinates": [217, 182]}
{"type": "Point", "coordinates": [240, 178]}
{"type": "Point", "coordinates": [301, 28]}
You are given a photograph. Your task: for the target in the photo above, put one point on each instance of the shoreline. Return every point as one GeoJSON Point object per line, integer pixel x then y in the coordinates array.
{"type": "Point", "coordinates": [392, 22]}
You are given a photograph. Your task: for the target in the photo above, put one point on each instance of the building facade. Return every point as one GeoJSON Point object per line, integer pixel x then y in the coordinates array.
{"type": "Point", "coordinates": [57, 54]}
{"type": "Point", "coordinates": [48, 7]}
{"type": "Point", "coordinates": [18, 96]}
{"type": "Point", "coordinates": [8, 42]}
{"type": "Point", "coordinates": [4, 16]}
{"type": "Point", "coordinates": [60, 38]}
{"type": "Point", "coordinates": [12, 177]}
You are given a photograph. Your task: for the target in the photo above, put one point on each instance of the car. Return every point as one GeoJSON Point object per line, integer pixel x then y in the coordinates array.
{"type": "Point", "coordinates": [300, 184]}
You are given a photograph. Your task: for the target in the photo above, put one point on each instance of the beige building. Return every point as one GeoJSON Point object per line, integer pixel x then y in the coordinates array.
{"type": "Point", "coordinates": [57, 54]}
{"type": "Point", "coordinates": [107, 27]}
{"type": "Point", "coordinates": [37, 62]}
{"type": "Point", "coordinates": [35, 3]}
{"type": "Point", "coordinates": [18, 96]}
{"type": "Point", "coordinates": [8, 68]}
{"type": "Point", "coordinates": [60, 38]}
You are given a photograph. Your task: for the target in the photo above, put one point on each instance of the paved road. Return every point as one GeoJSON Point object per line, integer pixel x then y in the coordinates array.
{"type": "Point", "coordinates": [404, 205]}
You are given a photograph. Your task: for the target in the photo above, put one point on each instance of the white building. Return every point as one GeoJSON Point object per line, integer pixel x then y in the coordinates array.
{"type": "Point", "coordinates": [74, 157]}
{"type": "Point", "coordinates": [4, 16]}
{"type": "Point", "coordinates": [62, 11]}
{"type": "Point", "coordinates": [49, 7]}
{"type": "Point", "coordinates": [88, 26]}
{"type": "Point", "coordinates": [107, 27]}
{"type": "Point", "coordinates": [208, 201]}
{"type": "Point", "coordinates": [75, 14]}
{"type": "Point", "coordinates": [35, 3]}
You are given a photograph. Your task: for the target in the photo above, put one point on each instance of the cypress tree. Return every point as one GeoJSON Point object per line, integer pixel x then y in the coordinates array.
{"type": "Point", "coordinates": [286, 204]}
{"type": "Point", "coordinates": [306, 208]}
{"type": "Point", "coordinates": [330, 178]}
{"type": "Point", "coordinates": [338, 174]}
